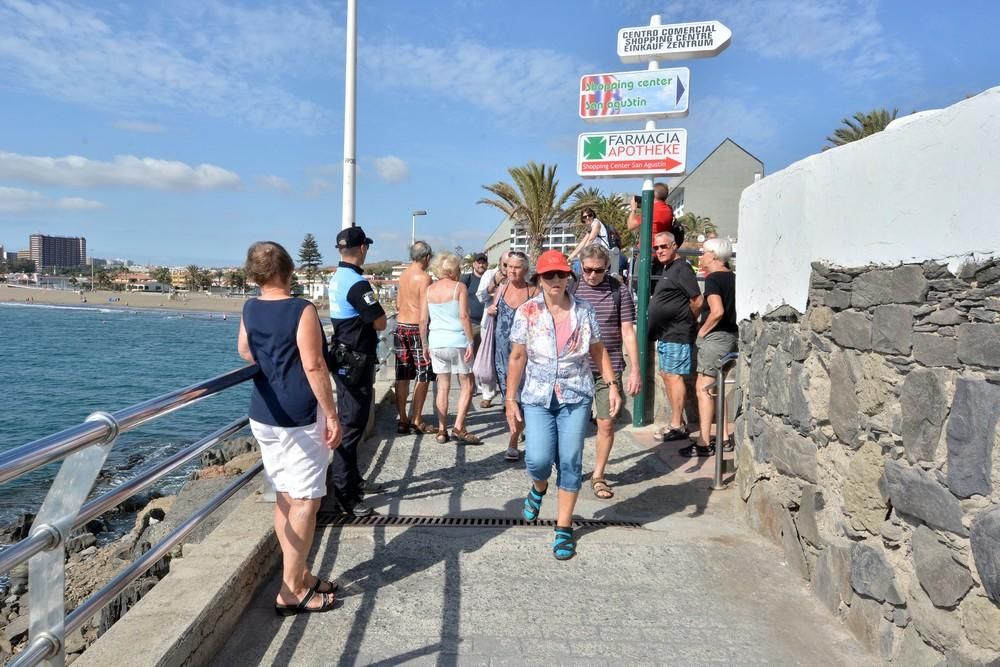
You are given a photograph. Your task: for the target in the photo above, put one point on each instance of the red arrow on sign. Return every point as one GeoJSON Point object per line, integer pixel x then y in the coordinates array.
{"type": "Point", "coordinates": [669, 163]}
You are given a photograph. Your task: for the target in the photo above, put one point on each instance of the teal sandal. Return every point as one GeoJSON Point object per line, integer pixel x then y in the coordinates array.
{"type": "Point", "coordinates": [532, 504]}
{"type": "Point", "coordinates": [564, 545]}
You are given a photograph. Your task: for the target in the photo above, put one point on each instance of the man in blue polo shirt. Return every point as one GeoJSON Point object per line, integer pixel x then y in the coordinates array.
{"type": "Point", "coordinates": [357, 317]}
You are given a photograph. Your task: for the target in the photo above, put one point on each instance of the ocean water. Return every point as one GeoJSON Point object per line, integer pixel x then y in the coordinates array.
{"type": "Point", "coordinates": [59, 364]}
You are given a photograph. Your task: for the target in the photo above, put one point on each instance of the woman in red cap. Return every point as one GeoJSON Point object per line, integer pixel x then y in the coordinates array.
{"type": "Point", "coordinates": [552, 336]}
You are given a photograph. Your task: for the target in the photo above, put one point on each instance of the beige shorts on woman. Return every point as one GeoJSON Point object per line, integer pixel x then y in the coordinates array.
{"type": "Point", "coordinates": [295, 459]}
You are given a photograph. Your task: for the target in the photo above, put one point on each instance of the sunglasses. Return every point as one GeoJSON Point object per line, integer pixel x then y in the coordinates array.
{"type": "Point", "coordinates": [555, 275]}
{"type": "Point", "coordinates": [587, 217]}
{"type": "Point", "coordinates": [665, 246]}
{"type": "Point", "coordinates": [589, 270]}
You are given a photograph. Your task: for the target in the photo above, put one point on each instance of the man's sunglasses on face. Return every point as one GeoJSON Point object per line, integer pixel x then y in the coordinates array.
{"type": "Point", "coordinates": [588, 269]}
{"type": "Point", "coordinates": [665, 246]}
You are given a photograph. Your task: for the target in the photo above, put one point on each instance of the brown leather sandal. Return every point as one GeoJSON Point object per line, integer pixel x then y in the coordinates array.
{"type": "Point", "coordinates": [465, 437]}
{"type": "Point", "coordinates": [442, 437]}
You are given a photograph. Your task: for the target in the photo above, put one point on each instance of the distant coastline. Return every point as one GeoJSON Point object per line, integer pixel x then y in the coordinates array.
{"type": "Point", "coordinates": [202, 303]}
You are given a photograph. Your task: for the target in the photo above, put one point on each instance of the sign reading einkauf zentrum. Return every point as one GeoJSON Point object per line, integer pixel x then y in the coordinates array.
{"type": "Point", "coordinates": [647, 94]}
{"type": "Point", "coordinates": [677, 41]}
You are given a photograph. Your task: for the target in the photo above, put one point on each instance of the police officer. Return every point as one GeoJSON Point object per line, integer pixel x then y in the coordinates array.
{"type": "Point", "coordinates": [357, 316]}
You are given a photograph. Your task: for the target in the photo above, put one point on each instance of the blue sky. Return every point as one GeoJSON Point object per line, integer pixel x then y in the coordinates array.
{"type": "Point", "coordinates": [178, 132]}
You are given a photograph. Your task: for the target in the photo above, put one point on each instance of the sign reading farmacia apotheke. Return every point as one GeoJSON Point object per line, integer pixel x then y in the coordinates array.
{"type": "Point", "coordinates": [678, 41]}
{"type": "Point", "coordinates": [651, 152]}
{"type": "Point", "coordinates": [648, 94]}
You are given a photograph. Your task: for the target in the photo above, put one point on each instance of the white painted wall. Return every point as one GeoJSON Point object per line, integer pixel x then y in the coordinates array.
{"type": "Point", "coordinates": [925, 189]}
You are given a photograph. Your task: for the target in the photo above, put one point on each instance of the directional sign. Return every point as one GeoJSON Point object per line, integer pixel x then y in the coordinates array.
{"type": "Point", "coordinates": [678, 41]}
{"type": "Point", "coordinates": [648, 94]}
{"type": "Point", "coordinates": [610, 154]}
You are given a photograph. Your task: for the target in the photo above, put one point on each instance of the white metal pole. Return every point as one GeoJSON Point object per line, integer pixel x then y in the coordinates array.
{"type": "Point", "coordinates": [413, 229]}
{"type": "Point", "coordinates": [350, 109]}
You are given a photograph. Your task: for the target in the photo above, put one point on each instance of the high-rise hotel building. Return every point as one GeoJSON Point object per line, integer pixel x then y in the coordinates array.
{"type": "Point", "coordinates": [56, 252]}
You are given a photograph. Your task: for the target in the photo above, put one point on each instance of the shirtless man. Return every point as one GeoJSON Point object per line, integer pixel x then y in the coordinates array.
{"type": "Point", "coordinates": [412, 361]}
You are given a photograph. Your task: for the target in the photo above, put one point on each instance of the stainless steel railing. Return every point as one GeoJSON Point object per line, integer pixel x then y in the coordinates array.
{"type": "Point", "coordinates": [725, 363]}
{"type": "Point", "coordinates": [85, 448]}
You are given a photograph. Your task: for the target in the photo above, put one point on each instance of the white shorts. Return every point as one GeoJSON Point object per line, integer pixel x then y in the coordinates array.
{"type": "Point", "coordinates": [295, 459]}
{"type": "Point", "coordinates": [449, 360]}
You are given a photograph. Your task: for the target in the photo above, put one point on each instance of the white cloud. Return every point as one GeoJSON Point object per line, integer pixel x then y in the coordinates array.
{"type": "Point", "coordinates": [139, 126]}
{"type": "Point", "coordinates": [272, 182]}
{"type": "Point", "coordinates": [391, 169]}
{"type": "Point", "coordinates": [842, 36]}
{"type": "Point", "coordinates": [203, 57]}
{"type": "Point", "coordinates": [479, 75]}
{"type": "Point", "coordinates": [124, 171]}
{"type": "Point", "coordinates": [16, 200]}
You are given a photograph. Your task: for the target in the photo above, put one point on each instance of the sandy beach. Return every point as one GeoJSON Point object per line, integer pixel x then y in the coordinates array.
{"type": "Point", "coordinates": [206, 303]}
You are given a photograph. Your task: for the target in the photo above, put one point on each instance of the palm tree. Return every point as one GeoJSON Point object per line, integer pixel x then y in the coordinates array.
{"type": "Point", "coordinates": [695, 225]}
{"type": "Point", "coordinates": [861, 126]}
{"type": "Point", "coordinates": [193, 277]}
{"type": "Point", "coordinates": [532, 202]}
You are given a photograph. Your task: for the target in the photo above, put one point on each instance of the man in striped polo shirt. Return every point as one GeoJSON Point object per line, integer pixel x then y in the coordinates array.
{"type": "Point", "coordinates": [615, 308]}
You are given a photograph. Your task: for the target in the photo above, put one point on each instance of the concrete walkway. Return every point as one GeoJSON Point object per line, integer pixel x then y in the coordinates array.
{"type": "Point", "coordinates": [691, 587]}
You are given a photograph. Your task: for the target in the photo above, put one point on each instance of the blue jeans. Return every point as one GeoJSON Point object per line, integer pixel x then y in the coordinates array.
{"type": "Point", "coordinates": [555, 435]}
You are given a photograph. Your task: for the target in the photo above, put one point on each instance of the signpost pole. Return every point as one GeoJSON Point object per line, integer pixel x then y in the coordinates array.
{"type": "Point", "coordinates": [645, 261]}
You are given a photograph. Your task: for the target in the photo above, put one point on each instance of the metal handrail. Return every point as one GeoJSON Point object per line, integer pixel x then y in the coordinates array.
{"type": "Point", "coordinates": [45, 646]}
{"type": "Point", "coordinates": [87, 446]}
{"type": "Point", "coordinates": [726, 362]}
{"type": "Point", "coordinates": [51, 448]}
{"type": "Point", "coordinates": [43, 539]}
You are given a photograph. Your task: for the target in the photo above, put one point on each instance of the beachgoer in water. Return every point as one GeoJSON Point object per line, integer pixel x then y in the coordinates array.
{"type": "Point", "coordinates": [292, 416]}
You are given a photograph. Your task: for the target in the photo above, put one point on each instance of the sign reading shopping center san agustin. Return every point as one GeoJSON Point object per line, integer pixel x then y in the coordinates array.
{"type": "Point", "coordinates": [629, 154]}
{"type": "Point", "coordinates": [623, 95]}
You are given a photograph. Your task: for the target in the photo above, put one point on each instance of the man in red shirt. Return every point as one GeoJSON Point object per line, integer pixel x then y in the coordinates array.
{"type": "Point", "coordinates": [663, 214]}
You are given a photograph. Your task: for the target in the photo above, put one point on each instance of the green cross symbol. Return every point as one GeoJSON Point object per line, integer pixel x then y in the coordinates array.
{"type": "Point", "coordinates": [594, 148]}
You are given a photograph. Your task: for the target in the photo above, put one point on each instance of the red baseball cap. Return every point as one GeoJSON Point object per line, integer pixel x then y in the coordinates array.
{"type": "Point", "coordinates": [552, 260]}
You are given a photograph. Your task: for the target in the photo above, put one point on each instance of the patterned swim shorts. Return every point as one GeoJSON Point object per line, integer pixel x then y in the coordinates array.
{"type": "Point", "coordinates": [412, 361]}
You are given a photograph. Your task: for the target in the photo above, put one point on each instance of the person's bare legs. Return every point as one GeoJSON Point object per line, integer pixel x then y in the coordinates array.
{"type": "Point", "coordinates": [402, 393]}
{"type": "Point", "coordinates": [706, 408]}
{"type": "Point", "coordinates": [565, 507]}
{"type": "Point", "coordinates": [441, 400]}
{"type": "Point", "coordinates": [605, 439]}
{"type": "Point", "coordinates": [417, 404]}
{"type": "Point", "coordinates": [676, 392]}
{"type": "Point", "coordinates": [468, 387]}
{"type": "Point", "coordinates": [295, 526]}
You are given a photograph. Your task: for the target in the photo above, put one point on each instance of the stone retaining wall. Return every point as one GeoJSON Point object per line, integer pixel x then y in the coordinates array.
{"type": "Point", "coordinates": [867, 448]}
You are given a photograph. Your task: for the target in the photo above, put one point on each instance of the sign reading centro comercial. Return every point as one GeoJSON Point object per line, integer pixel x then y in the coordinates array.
{"type": "Point", "coordinates": [653, 152]}
{"type": "Point", "coordinates": [648, 94]}
{"type": "Point", "coordinates": [678, 41]}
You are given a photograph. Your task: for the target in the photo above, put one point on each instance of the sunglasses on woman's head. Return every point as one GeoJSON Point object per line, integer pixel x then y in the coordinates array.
{"type": "Point", "coordinates": [555, 275]}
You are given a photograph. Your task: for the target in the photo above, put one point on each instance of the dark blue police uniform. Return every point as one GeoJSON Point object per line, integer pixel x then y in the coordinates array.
{"type": "Point", "coordinates": [354, 308]}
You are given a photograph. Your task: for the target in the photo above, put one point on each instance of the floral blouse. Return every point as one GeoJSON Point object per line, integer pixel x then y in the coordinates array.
{"type": "Point", "coordinates": [566, 373]}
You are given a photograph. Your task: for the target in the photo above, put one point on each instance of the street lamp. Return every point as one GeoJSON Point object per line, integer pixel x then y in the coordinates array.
{"type": "Point", "coordinates": [413, 228]}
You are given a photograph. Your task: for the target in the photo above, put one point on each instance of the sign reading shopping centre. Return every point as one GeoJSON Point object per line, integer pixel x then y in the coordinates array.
{"type": "Point", "coordinates": [677, 41]}
{"type": "Point", "coordinates": [647, 94]}
{"type": "Point", "coordinates": [651, 152]}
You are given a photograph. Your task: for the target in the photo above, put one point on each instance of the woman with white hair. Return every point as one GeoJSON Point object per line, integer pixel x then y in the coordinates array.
{"type": "Point", "coordinates": [447, 333]}
{"type": "Point", "coordinates": [717, 336]}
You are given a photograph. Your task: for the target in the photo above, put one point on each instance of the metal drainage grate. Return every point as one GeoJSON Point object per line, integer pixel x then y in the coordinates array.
{"type": "Point", "coordinates": [338, 519]}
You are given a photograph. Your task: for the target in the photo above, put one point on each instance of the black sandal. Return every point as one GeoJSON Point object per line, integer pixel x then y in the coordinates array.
{"type": "Point", "coordinates": [302, 608]}
{"type": "Point", "coordinates": [331, 586]}
{"type": "Point", "coordinates": [696, 451]}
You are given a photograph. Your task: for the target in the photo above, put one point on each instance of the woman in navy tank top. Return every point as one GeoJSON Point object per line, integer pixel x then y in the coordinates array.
{"type": "Point", "coordinates": [292, 416]}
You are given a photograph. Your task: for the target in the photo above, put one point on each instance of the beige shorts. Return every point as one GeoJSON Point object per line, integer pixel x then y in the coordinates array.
{"type": "Point", "coordinates": [295, 459]}
{"type": "Point", "coordinates": [449, 360]}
